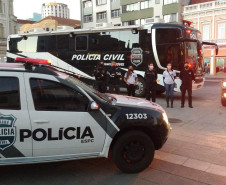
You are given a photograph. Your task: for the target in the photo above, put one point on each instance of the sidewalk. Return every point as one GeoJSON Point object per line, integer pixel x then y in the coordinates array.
{"type": "Point", "coordinates": [217, 77]}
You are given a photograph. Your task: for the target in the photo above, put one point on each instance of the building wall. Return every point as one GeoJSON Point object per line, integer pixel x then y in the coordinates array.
{"type": "Point", "coordinates": [155, 9]}
{"type": "Point", "coordinates": [210, 15]}
{"type": "Point", "coordinates": [55, 9]}
{"type": "Point", "coordinates": [8, 24]}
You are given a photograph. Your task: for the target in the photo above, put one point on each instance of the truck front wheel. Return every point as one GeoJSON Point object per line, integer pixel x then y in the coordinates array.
{"type": "Point", "coordinates": [133, 152]}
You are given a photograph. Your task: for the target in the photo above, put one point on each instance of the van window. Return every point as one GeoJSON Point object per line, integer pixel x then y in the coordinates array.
{"type": "Point", "coordinates": [53, 96]}
{"type": "Point", "coordinates": [9, 93]}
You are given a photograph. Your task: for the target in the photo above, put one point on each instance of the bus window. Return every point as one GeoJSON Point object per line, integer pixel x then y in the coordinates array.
{"type": "Point", "coordinates": [129, 40]}
{"type": "Point", "coordinates": [169, 49]}
{"type": "Point", "coordinates": [164, 36]}
{"type": "Point", "coordinates": [81, 43]}
{"type": "Point", "coordinates": [46, 43]}
{"type": "Point", "coordinates": [63, 42]}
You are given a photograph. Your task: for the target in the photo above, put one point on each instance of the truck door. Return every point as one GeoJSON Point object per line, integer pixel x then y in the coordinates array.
{"type": "Point", "coordinates": [14, 118]}
{"type": "Point", "coordinates": [60, 121]}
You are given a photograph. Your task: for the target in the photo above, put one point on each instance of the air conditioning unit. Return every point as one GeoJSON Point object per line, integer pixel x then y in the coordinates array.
{"type": "Point", "coordinates": [64, 28]}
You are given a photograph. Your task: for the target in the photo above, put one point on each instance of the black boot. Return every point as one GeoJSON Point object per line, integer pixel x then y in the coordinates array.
{"type": "Point", "coordinates": [167, 101]}
{"type": "Point", "coordinates": [171, 102]}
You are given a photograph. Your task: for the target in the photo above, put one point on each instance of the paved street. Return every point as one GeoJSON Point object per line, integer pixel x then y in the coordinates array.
{"type": "Point", "coordinates": [195, 153]}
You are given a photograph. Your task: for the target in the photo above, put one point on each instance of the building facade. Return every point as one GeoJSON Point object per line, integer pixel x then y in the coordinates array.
{"type": "Point", "coordinates": [8, 24]}
{"type": "Point", "coordinates": [210, 18]}
{"type": "Point", "coordinates": [55, 9]}
{"type": "Point", "coordinates": [96, 13]}
{"type": "Point", "coordinates": [49, 23]}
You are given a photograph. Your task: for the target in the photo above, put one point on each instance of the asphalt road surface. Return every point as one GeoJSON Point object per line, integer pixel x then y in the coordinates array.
{"type": "Point", "coordinates": [195, 153]}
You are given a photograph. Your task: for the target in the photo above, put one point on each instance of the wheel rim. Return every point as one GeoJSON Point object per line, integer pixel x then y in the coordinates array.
{"type": "Point", "coordinates": [140, 88]}
{"type": "Point", "coordinates": [133, 152]}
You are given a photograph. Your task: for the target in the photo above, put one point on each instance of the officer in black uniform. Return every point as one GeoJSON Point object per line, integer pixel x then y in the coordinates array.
{"type": "Point", "coordinates": [151, 83]}
{"type": "Point", "coordinates": [187, 76]}
{"type": "Point", "coordinates": [101, 77]}
{"type": "Point", "coordinates": [114, 76]}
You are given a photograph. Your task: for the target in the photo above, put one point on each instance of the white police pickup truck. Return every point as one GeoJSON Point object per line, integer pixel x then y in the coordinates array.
{"type": "Point", "coordinates": [47, 115]}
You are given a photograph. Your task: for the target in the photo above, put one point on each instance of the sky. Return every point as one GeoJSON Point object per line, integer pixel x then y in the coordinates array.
{"type": "Point", "coordinates": [24, 9]}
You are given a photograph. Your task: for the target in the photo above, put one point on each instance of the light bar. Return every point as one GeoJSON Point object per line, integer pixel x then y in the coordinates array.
{"type": "Point", "coordinates": [33, 61]}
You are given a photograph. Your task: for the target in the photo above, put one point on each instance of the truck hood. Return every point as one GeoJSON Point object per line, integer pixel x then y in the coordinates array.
{"type": "Point", "coordinates": [122, 100]}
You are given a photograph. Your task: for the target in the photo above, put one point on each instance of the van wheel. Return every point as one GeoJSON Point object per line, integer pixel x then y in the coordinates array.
{"type": "Point", "coordinates": [140, 89]}
{"type": "Point", "coordinates": [133, 152]}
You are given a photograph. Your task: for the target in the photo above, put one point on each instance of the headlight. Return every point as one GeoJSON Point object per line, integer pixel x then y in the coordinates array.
{"type": "Point", "coordinates": [165, 118]}
{"type": "Point", "coordinates": [224, 95]}
{"type": "Point", "coordinates": [224, 84]}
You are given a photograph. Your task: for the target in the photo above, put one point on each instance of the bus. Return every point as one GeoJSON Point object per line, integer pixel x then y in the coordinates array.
{"type": "Point", "coordinates": [80, 50]}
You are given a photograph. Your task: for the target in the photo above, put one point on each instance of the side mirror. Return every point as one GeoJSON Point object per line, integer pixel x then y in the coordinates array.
{"type": "Point", "coordinates": [94, 106]}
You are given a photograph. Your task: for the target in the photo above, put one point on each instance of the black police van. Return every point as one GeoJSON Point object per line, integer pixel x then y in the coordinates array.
{"type": "Point", "coordinates": [48, 115]}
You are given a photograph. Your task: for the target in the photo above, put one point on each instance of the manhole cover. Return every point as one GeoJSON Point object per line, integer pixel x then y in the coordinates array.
{"type": "Point", "coordinates": [174, 120]}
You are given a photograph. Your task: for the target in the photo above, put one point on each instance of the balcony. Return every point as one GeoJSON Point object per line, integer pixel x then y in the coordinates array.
{"type": "Point", "coordinates": [170, 8]}
{"type": "Point", "coordinates": [134, 15]}
{"type": "Point", "coordinates": [205, 6]}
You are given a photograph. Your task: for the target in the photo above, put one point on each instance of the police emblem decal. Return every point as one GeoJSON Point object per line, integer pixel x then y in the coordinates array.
{"type": "Point", "coordinates": [7, 131]}
{"type": "Point", "coordinates": [136, 56]}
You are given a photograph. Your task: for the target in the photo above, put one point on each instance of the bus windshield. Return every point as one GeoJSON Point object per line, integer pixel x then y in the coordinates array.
{"type": "Point", "coordinates": [191, 52]}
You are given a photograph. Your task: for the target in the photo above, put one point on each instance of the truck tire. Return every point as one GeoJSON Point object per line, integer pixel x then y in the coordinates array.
{"type": "Point", "coordinates": [140, 89]}
{"type": "Point", "coordinates": [133, 152]}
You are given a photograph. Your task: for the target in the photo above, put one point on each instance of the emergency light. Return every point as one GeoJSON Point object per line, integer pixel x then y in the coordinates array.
{"type": "Point", "coordinates": [33, 61]}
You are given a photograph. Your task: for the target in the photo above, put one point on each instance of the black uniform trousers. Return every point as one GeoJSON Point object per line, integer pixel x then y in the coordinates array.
{"type": "Point", "coordinates": [187, 88]}
{"type": "Point", "coordinates": [151, 92]}
{"type": "Point", "coordinates": [101, 86]}
{"type": "Point", "coordinates": [131, 90]}
{"type": "Point", "coordinates": [113, 87]}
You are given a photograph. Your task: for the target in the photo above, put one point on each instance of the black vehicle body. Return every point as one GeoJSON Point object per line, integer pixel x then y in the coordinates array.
{"type": "Point", "coordinates": [135, 45]}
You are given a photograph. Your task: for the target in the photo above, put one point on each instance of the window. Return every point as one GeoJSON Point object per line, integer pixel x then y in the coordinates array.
{"type": "Point", "coordinates": [81, 43]}
{"type": "Point", "coordinates": [1, 31]}
{"type": "Point", "coordinates": [53, 96]}
{"type": "Point", "coordinates": [221, 31]}
{"type": "Point", "coordinates": [157, 1]}
{"type": "Point", "coordinates": [115, 13]}
{"type": "Point", "coordinates": [87, 4]}
{"type": "Point", "coordinates": [133, 22]}
{"type": "Point", "coordinates": [88, 18]}
{"type": "Point", "coordinates": [9, 93]}
{"type": "Point", "coordinates": [130, 7]}
{"type": "Point", "coordinates": [101, 16]}
{"type": "Point", "coordinates": [101, 2]}
{"type": "Point", "coordinates": [1, 7]}
{"type": "Point", "coordinates": [170, 1]}
{"type": "Point", "coordinates": [145, 4]}
{"type": "Point", "coordinates": [206, 32]}
{"type": "Point", "coordinates": [170, 18]}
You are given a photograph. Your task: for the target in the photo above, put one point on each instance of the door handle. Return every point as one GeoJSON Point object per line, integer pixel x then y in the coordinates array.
{"type": "Point", "coordinates": [41, 121]}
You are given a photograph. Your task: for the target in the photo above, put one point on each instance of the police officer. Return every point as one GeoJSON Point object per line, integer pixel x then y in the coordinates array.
{"type": "Point", "coordinates": [151, 76]}
{"type": "Point", "coordinates": [101, 77]}
{"type": "Point", "coordinates": [115, 76]}
{"type": "Point", "coordinates": [187, 76]}
{"type": "Point", "coordinates": [131, 80]}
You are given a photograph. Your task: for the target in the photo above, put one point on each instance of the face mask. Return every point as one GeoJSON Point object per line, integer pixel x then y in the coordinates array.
{"type": "Point", "coordinates": [151, 67]}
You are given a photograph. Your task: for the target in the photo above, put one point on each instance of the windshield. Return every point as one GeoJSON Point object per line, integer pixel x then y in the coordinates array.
{"type": "Point", "coordinates": [191, 52]}
{"type": "Point", "coordinates": [89, 89]}
{"type": "Point", "coordinates": [193, 57]}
